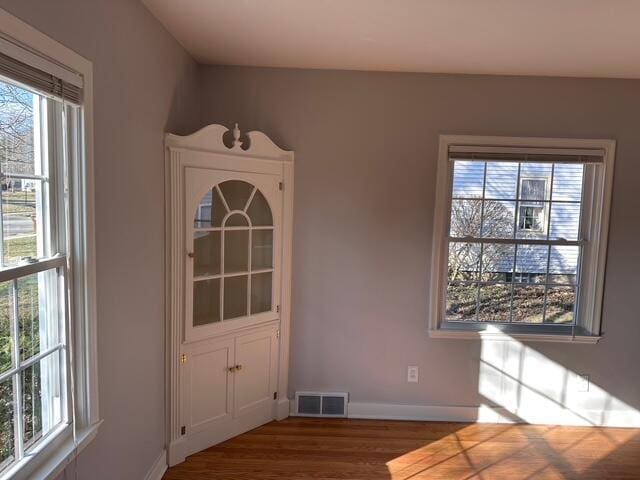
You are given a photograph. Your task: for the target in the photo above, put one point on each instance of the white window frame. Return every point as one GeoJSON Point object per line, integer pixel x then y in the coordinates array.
{"type": "Point", "coordinates": [598, 191]}
{"type": "Point", "coordinates": [26, 44]}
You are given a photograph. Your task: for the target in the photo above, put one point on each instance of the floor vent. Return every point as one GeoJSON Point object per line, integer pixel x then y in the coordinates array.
{"type": "Point", "coordinates": [321, 404]}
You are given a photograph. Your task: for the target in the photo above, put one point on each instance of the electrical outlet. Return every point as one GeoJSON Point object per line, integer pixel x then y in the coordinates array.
{"type": "Point", "coordinates": [412, 374]}
{"type": "Point", "coordinates": [582, 383]}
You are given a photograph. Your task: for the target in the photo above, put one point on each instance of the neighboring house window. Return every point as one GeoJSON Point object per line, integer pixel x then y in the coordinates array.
{"type": "Point", "coordinates": [46, 348]}
{"type": "Point", "coordinates": [520, 239]}
{"type": "Point", "coordinates": [531, 215]}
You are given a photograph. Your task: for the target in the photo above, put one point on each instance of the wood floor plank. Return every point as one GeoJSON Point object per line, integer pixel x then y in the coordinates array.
{"type": "Point", "coordinates": [341, 449]}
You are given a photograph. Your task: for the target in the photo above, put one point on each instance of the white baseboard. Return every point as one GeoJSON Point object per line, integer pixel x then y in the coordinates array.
{"type": "Point", "coordinates": [159, 467]}
{"type": "Point", "coordinates": [488, 414]}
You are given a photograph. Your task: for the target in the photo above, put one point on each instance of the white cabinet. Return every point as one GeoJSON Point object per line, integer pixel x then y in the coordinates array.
{"type": "Point", "coordinates": [229, 386]}
{"type": "Point", "coordinates": [229, 217]}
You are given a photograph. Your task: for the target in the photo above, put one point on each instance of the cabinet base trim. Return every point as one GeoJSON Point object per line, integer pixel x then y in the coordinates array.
{"type": "Point", "coordinates": [282, 409]}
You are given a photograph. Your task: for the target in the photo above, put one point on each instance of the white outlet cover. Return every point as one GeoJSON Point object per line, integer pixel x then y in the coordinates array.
{"type": "Point", "coordinates": [412, 374]}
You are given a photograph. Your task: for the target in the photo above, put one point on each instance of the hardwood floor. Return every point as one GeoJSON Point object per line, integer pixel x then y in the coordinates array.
{"type": "Point", "coordinates": [319, 449]}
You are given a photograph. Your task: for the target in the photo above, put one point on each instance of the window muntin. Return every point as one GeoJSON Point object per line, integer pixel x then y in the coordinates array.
{"type": "Point", "coordinates": [509, 260]}
{"type": "Point", "coordinates": [233, 254]}
{"type": "Point", "coordinates": [33, 311]}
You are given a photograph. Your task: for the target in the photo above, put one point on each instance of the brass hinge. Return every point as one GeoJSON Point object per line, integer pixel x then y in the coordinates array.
{"type": "Point", "coordinates": [278, 333]}
{"type": "Point", "coordinates": [183, 358]}
{"type": "Point", "coordinates": [183, 430]}
{"type": "Point", "coordinates": [278, 308]}
{"type": "Point", "coordinates": [280, 186]}
{"type": "Point", "coordinates": [275, 395]}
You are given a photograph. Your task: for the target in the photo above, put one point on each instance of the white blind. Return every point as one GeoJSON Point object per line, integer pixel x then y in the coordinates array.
{"type": "Point", "coordinates": [38, 79]}
{"type": "Point", "coordinates": [526, 154]}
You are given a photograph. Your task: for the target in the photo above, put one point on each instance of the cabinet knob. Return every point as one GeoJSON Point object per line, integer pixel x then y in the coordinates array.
{"type": "Point", "coordinates": [238, 367]}
{"type": "Point", "coordinates": [191, 254]}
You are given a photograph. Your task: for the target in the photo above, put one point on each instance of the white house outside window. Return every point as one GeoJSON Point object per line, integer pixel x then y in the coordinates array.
{"type": "Point", "coordinates": [520, 236]}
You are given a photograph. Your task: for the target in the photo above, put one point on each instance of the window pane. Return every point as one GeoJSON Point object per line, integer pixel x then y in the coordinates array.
{"type": "Point", "coordinates": [462, 301]}
{"type": "Point", "coordinates": [466, 218]}
{"type": "Point", "coordinates": [21, 222]}
{"type": "Point", "coordinates": [495, 303]}
{"type": "Point", "coordinates": [561, 303]}
{"type": "Point", "coordinates": [41, 398]}
{"type": "Point", "coordinates": [260, 292]}
{"type": "Point", "coordinates": [567, 182]}
{"type": "Point", "coordinates": [498, 219]}
{"type": "Point", "coordinates": [236, 251]}
{"type": "Point", "coordinates": [206, 302]}
{"type": "Point", "coordinates": [235, 296]}
{"type": "Point", "coordinates": [531, 260]}
{"type": "Point", "coordinates": [210, 211]}
{"type": "Point", "coordinates": [563, 264]}
{"type": "Point", "coordinates": [468, 179]}
{"type": "Point", "coordinates": [528, 304]}
{"type": "Point", "coordinates": [236, 220]}
{"type": "Point", "coordinates": [17, 130]}
{"type": "Point", "coordinates": [7, 441]}
{"type": "Point", "coordinates": [261, 249]}
{"type": "Point", "coordinates": [502, 180]}
{"type": "Point", "coordinates": [6, 316]}
{"type": "Point", "coordinates": [533, 189]}
{"type": "Point", "coordinates": [206, 248]}
{"type": "Point", "coordinates": [497, 261]}
{"type": "Point", "coordinates": [236, 193]}
{"type": "Point", "coordinates": [259, 211]}
{"type": "Point", "coordinates": [37, 313]}
{"type": "Point", "coordinates": [535, 181]}
{"type": "Point", "coordinates": [565, 221]}
{"type": "Point", "coordinates": [464, 261]}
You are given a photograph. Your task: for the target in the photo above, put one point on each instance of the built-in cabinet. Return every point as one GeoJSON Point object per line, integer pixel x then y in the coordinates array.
{"type": "Point", "coordinates": [229, 215]}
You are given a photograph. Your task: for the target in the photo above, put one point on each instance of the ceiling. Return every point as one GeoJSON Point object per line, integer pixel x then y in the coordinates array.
{"type": "Point", "coordinates": [579, 38]}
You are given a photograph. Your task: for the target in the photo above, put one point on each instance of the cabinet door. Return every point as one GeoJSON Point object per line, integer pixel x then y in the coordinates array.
{"type": "Point", "coordinates": [256, 380]}
{"type": "Point", "coordinates": [233, 250]}
{"type": "Point", "coordinates": [207, 387]}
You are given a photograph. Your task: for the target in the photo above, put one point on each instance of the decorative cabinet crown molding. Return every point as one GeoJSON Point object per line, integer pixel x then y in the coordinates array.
{"type": "Point", "coordinates": [211, 139]}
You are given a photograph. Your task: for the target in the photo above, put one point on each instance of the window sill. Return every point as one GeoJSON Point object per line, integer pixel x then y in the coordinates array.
{"type": "Point", "coordinates": [498, 335]}
{"type": "Point", "coordinates": [52, 466]}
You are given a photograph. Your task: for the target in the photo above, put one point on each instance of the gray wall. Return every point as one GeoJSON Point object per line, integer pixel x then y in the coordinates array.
{"type": "Point", "coordinates": [144, 85]}
{"type": "Point", "coordinates": [366, 148]}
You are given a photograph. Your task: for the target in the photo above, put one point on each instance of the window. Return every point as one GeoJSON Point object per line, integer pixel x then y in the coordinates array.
{"type": "Point", "coordinates": [531, 215]}
{"type": "Point", "coordinates": [33, 342]}
{"type": "Point", "coordinates": [520, 239]}
{"type": "Point", "coordinates": [47, 354]}
{"type": "Point", "coordinates": [531, 218]}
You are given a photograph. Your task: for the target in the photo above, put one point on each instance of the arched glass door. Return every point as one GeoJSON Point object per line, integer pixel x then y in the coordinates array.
{"type": "Point", "coordinates": [232, 252]}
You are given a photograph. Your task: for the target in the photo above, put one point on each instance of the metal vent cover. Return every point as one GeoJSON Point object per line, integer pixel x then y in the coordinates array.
{"type": "Point", "coordinates": [321, 404]}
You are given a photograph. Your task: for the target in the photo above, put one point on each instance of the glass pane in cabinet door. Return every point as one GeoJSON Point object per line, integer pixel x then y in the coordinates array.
{"type": "Point", "coordinates": [235, 296]}
{"type": "Point", "coordinates": [236, 193]}
{"type": "Point", "coordinates": [260, 292]}
{"type": "Point", "coordinates": [206, 302]}
{"type": "Point", "coordinates": [210, 210]}
{"type": "Point", "coordinates": [236, 220]}
{"type": "Point", "coordinates": [236, 251]}
{"type": "Point", "coordinates": [206, 248]}
{"type": "Point", "coordinates": [259, 211]}
{"type": "Point", "coordinates": [261, 249]}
